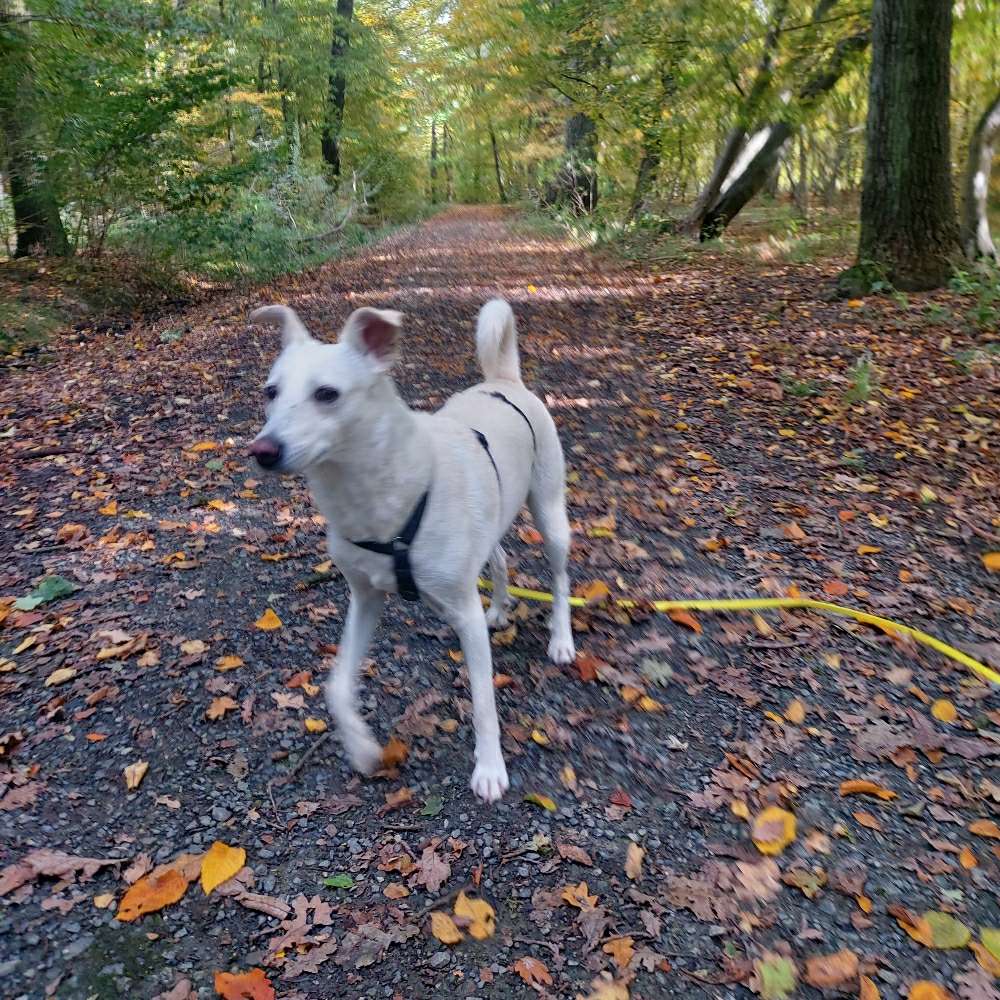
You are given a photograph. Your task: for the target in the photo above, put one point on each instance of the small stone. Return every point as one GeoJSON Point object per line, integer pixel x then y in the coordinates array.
{"type": "Point", "coordinates": [439, 959]}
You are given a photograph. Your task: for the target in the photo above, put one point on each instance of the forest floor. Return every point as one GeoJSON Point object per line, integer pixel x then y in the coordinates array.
{"type": "Point", "coordinates": [730, 430]}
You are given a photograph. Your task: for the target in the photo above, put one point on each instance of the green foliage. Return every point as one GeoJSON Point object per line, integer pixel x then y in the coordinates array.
{"type": "Point", "coordinates": [863, 379]}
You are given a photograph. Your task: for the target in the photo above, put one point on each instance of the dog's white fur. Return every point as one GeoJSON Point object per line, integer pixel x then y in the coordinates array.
{"type": "Point", "coordinates": [368, 458]}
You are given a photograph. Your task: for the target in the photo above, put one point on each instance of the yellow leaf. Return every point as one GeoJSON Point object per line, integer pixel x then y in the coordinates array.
{"type": "Point", "coordinates": [204, 446]}
{"type": "Point", "coordinates": [866, 788]}
{"type": "Point", "coordinates": [134, 774]}
{"type": "Point", "coordinates": [229, 662]}
{"type": "Point", "coordinates": [59, 676]}
{"type": "Point", "coordinates": [314, 725]}
{"type": "Point", "coordinates": [760, 623]}
{"type": "Point", "coordinates": [991, 560]}
{"type": "Point", "coordinates": [479, 913]}
{"type": "Point", "coordinates": [633, 861]}
{"type": "Point", "coordinates": [773, 830]}
{"type": "Point", "coordinates": [786, 432]}
{"type": "Point", "coordinates": [532, 289]}
{"type": "Point", "coordinates": [796, 712]}
{"type": "Point", "coordinates": [150, 894]}
{"type": "Point", "coordinates": [268, 621]}
{"type": "Point", "coordinates": [444, 929]}
{"type": "Point", "coordinates": [868, 550]}
{"type": "Point", "coordinates": [568, 777]}
{"type": "Point", "coordinates": [109, 509]}
{"type": "Point", "coordinates": [540, 800]}
{"type": "Point", "coordinates": [220, 863]}
{"type": "Point", "coordinates": [595, 592]}
{"type": "Point", "coordinates": [739, 808]}
{"type": "Point", "coordinates": [540, 738]}
{"type": "Point", "coordinates": [621, 950]}
{"type": "Point", "coordinates": [104, 900]}
{"type": "Point", "coordinates": [986, 958]}
{"type": "Point", "coordinates": [647, 704]}
{"type": "Point", "coordinates": [944, 711]}
{"type": "Point", "coordinates": [855, 303]}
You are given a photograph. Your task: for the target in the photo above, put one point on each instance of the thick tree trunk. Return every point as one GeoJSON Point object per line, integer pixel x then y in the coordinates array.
{"type": "Point", "coordinates": [37, 222]}
{"type": "Point", "coordinates": [434, 163]}
{"type": "Point", "coordinates": [576, 182]}
{"type": "Point", "coordinates": [339, 44]}
{"type": "Point", "coordinates": [977, 240]}
{"type": "Point", "coordinates": [501, 194]}
{"type": "Point", "coordinates": [735, 142]}
{"type": "Point", "coordinates": [908, 228]}
{"type": "Point", "coordinates": [753, 177]}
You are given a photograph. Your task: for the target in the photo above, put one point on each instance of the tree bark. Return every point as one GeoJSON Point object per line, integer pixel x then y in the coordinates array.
{"type": "Point", "coordinates": [339, 44]}
{"type": "Point", "coordinates": [908, 227]}
{"type": "Point", "coordinates": [977, 241]}
{"type": "Point", "coordinates": [434, 162]}
{"type": "Point", "coordinates": [755, 174]}
{"type": "Point", "coordinates": [496, 166]}
{"type": "Point", "coordinates": [37, 221]}
{"type": "Point", "coordinates": [646, 174]}
{"type": "Point", "coordinates": [576, 182]}
{"type": "Point", "coordinates": [449, 180]}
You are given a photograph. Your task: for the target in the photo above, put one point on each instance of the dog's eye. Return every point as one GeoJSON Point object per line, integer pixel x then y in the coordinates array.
{"type": "Point", "coordinates": [326, 394]}
{"type": "Point", "coordinates": [271, 391]}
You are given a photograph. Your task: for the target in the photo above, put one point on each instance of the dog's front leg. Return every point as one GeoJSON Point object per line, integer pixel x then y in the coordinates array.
{"type": "Point", "coordinates": [489, 779]}
{"type": "Point", "coordinates": [362, 617]}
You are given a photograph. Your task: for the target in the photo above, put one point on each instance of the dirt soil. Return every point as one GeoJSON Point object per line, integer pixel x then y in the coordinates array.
{"type": "Point", "coordinates": [723, 439]}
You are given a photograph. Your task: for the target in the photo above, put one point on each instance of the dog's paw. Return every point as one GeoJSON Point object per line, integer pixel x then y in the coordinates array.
{"type": "Point", "coordinates": [496, 616]}
{"type": "Point", "coordinates": [489, 780]}
{"type": "Point", "coordinates": [561, 649]}
{"type": "Point", "coordinates": [364, 754]}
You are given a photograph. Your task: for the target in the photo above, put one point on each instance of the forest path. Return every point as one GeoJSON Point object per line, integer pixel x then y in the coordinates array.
{"type": "Point", "coordinates": [713, 450]}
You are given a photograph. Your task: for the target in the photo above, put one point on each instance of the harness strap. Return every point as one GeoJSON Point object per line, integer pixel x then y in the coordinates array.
{"type": "Point", "coordinates": [481, 438]}
{"type": "Point", "coordinates": [399, 549]}
{"type": "Point", "coordinates": [513, 405]}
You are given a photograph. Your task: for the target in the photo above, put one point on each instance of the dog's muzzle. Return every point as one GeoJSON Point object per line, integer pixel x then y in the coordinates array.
{"type": "Point", "coordinates": [267, 451]}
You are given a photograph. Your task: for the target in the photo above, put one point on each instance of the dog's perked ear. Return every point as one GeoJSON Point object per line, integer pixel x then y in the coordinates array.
{"type": "Point", "coordinates": [374, 333]}
{"type": "Point", "coordinates": [286, 319]}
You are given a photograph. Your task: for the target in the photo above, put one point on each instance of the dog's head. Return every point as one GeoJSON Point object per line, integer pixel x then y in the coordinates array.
{"type": "Point", "coordinates": [317, 394]}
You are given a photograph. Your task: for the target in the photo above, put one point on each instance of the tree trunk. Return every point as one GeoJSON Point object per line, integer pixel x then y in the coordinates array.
{"type": "Point", "coordinates": [496, 166]}
{"type": "Point", "coordinates": [977, 240]}
{"type": "Point", "coordinates": [339, 44]}
{"type": "Point", "coordinates": [449, 180]}
{"type": "Point", "coordinates": [37, 221]}
{"type": "Point", "coordinates": [908, 228]}
{"type": "Point", "coordinates": [434, 162]}
{"type": "Point", "coordinates": [648, 166]}
{"type": "Point", "coordinates": [576, 182]}
{"type": "Point", "coordinates": [802, 196]}
{"type": "Point", "coordinates": [755, 174]}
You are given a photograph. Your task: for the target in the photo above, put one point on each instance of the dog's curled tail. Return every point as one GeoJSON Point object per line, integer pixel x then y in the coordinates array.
{"type": "Point", "coordinates": [496, 342]}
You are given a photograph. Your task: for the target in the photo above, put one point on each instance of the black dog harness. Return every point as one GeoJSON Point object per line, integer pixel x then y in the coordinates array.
{"type": "Point", "coordinates": [399, 547]}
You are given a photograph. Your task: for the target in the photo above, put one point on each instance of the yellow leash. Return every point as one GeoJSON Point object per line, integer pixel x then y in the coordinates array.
{"type": "Point", "coordinates": [763, 603]}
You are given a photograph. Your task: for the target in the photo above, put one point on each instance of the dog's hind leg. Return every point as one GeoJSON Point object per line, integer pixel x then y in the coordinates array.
{"type": "Point", "coordinates": [362, 617]}
{"type": "Point", "coordinates": [489, 779]}
{"type": "Point", "coordinates": [496, 616]}
{"type": "Point", "coordinates": [548, 509]}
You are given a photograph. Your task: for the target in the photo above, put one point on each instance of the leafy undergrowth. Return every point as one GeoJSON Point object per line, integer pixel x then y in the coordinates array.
{"type": "Point", "coordinates": [778, 804]}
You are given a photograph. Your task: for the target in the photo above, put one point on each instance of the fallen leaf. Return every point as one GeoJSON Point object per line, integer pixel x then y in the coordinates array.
{"type": "Point", "coordinates": [150, 894]}
{"type": "Point", "coordinates": [193, 647]}
{"type": "Point", "coordinates": [251, 985]}
{"type": "Point", "coordinates": [480, 915]}
{"type": "Point", "coordinates": [987, 960]}
{"type": "Point", "coordinates": [134, 774]}
{"type": "Point", "coordinates": [967, 859]}
{"type": "Point", "coordinates": [540, 800]}
{"type": "Point", "coordinates": [985, 828]}
{"type": "Point", "coordinates": [444, 929]}
{"type": "Point", "coordinates": [219, 706]}
{"type": "Point", "coordinates": [268, 621]}
{"type": "Point", "coordinates": [925, 990]}
{"type": "Point", "coordinates": [533, 971]}
{"type": "Point", "coordinates": [869, 991]}
{"type": "Point", "coordinates": [991, 560]}
{"type": "Point", "coordinates": [934, 929]}
{"type": "Point", "coordinates": [687, 619]}
{"type": "Point", "coordinates": [991, 941]}
{"type": "Point", "coordinates": [796, 712]}
{"type": "Point", "coordinates": [944, 711]}
{"type": "Point", "coordinates": [774, 977]}
{"type": "Point", "coordinates": [773, 830]}
{"type": "Point", "coordinates": [621, 951]}
{"type": "Point", "coordinates": [395, 890]}
{"type": "Point", "coordinates": [633, 861]}
{"type": "Point", "coordinates": [570, 852]}
{"type": "Point", "coordinates": [595, 592]}
{"type": "Point", "coordinates": [827, 972]}
{"type": "Point", "coordinates": [104, 900]}
{"type": "Point", "coordinates": [579, 896]}
{"type": "Point", "coordinates": [866, 788]}
{"type": "Point", "coordinates": [229, 662]}
{"type": "Point", "coordinates": [220, 863]}
{"type": "Point", "coordinates": [314, 725]}
{"type": "Point", "coordinates": [835, 588]}
{"type": "Point", "coordinates": [588, 666]}
{"type": "Point", "coordinates": [109, 509]}
{"type": "Point", "coordinates": [341, 881]}
{"type": "Point", "coordinates": [59, 676]}
{"type": "Point", "coordinates": [868, 821]}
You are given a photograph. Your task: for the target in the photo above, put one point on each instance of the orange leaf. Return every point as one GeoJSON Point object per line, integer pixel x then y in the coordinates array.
{"type": "Point", "coordinates": [944, 711]}
{"type": "Point", "coordinates": [827, 972]}
{"type": "Point", "coordinates": [533, 972]}
{"type": "Point", "coordinates": [985, 828]}
{"type": "Point", "coordinates": [230, 662]}
{"type": "Point", "coordinates": [967, 859]}
{"type": "Point", "coordinates": [394, 753]}
{"type": "Point", "coordinates": [219, 706]}
{"type": "Point", "coordinates": [835, 588]}
{"type": "Point", "coordinates": [866, 788]}
{"type": "Point", "coordinates": [991, 560]}
{"type": "Point", "coordinates": [869, 991]}
{"type": "Point", "coordinates": [796, 712]}
{"type": "Point", "coordinates": [924, 990]}
{"type": "Point", "coordinates": [588, 666]}
{"type": "Point", "coordinates": [252, 985]}
{"type": "Point", "coordinates": [868, 550]}
{"type": "Point", "coordinates": [686, 618]}
{"type": "Point", "coordinates": [268, 621]}
{"type": "Point", "coordinates": [530, 537]}
{"type": "Point", "coordinates": [868, 821]}
{"type": "Point", "coordinates": [633, 861]}
{"type": "Point", "coordinates": [579, 896]}
{"type": "Point", "coordinates": [595, 592]}
{"type": "Point", "coordinates": [150, 894]}
{"type": "Point", "coordinates": [395, 890]}
{"type": "Point", "coordinates": [621, 950]}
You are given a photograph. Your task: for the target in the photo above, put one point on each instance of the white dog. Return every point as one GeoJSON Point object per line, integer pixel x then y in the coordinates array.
{"type": "Point", "coordinates": [417, 503]}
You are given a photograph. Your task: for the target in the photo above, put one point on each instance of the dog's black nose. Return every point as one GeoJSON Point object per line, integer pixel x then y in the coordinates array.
{"type": "Point", "coordinates": [267, 451]}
